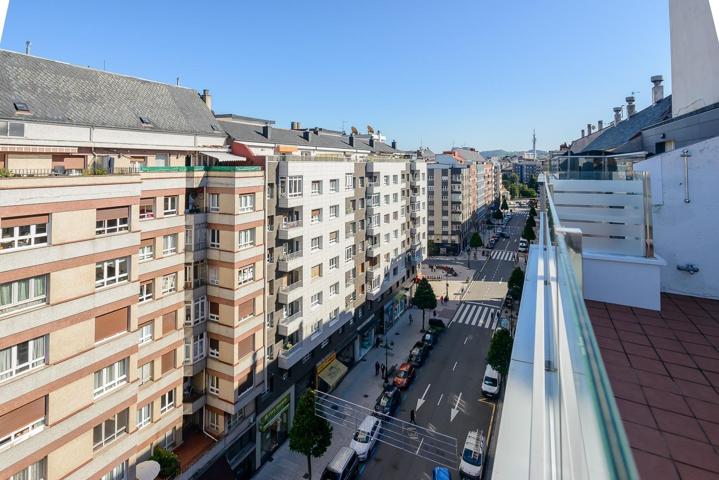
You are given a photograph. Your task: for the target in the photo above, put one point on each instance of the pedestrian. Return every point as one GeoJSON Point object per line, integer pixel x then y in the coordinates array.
{"type": "Point", "coordinates": [411, 417]}
{"type": "Point", "coordinates": [384, 369]}
{"type": "Point", "coordinates": [376, 368]}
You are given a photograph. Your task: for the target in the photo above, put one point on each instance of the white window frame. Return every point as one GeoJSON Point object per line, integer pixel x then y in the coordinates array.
{"type": "Point", "coordinates": [334, 289]}
{"type": "Point", "coordinates": [246, 274]}
{"type": "Point", "coordinates": [316, 246]}
{"type": "Point", "coordinates": [246, 238]}
{"type": "Point", "coordinates": [334, 314]}
{"type": "Point", "coordinates": [22, 433]}
{"type": "Point", "coordinates": [334, 263]}
{"type": "Point", "coordinates": [337, 237]}
{"type": "Point", "coordinates": [213, 420]}
{"type": "Point", "coordinates": [213, 352]}
{"type": "Point", "coordinates": [214, 241]}
{"type": "Point", "coordinates": [334, 185]}
{"type": "Point", "coordinates": [291, 186]}
{"type": "Point", "coordinates": [145, 292]}
{"type": "Point", "coordinates": [169, 283]}
{"type": "Point", "coordinates": [36, 471]}
{"type": "Point", "coordinates": [144, 415]}
{"type": "Point", "coordinates": [117, 473]}
{"type": "Point", "coordinates": [246, 202]}
{"type": "Point", "coordinates": [111, 377]}
{"type": "Point", "coordinates": [316, 300]}
{"type": "Point", "coordinates": [316, 219]}
{"type": "Point", "coordinates": [168, 399]}
{"type": "Point", "coordinates": [145, 372]}
{"type": "Point", "coordinates": [147, 215]}
{"type": "Point", "coordinates": [119, 277]}
{"type": "Point", "coordinates": [36, 354]}
{"type": "Point", "coordinates": [146, 252]}
{"type": "Point", "coordinates": [169, 205]}
{"type": "Point", "coordinates": [111, 225]}
{"type": "Point", "coordinates": [109, 437]}
{"type": "Point", "coordinates": [145, 332]}
{"type": "Point", "coordinates": [334, 211]}
{"type": "Point", "coordinates": [169, 244]}
{"type": "Point", "coordinates": [348, 253]}
{"type": "Point", "coordinates": [214, 202]}
{"type": "Point", "coordinates": [35, 295]}
{"type": "Point", "coordinates": [316, 187]}
{"type": "Point", "coordinates": [199, 310]}
{"type": "Point", "coordinates": [213, 275]}
{"type": "Point", "coordinates": [195, 348]}
{"type": "Point", "coordinates": [349, 181]}
{"type": "Point", "coordinates": [12, 236]}
{"type": "Point", "coordinates": [213, 384]}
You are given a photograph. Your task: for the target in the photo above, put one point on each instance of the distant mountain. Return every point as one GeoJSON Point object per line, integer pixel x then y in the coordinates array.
{"type": "Point", "coordinates": [504, 153]}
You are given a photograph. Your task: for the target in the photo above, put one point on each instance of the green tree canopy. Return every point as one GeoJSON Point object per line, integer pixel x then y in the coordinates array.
{"type": "Point", "coordinates": [516, 278]}
{"type": "Point", "coordinates": [432, 248]}
{"type": "Point", "coordinates": [169, 463]}
{"type": "Point", "coordinates": [532, 212]}
{"type": "Point", "coordinates": [532, 182]}
{"type": "Point", "coordinates": [475, 241]}
{"type": "Point", "coordinates": [310, 435]}
{"type": "Point", "coordinates": [514, 190]}
{"type": "Point", "coordinates": [504, 204]}
{"type": "Point", "coordinates": [528, 233]}
{"type": "Point", "coordinates": [531, 222]}
{"type": "Point", "coordinates": [500, 351]}
{"type": "Point", "coordinates": [424, 297]}
{"type": "Point", "coordinates": [497, 214]}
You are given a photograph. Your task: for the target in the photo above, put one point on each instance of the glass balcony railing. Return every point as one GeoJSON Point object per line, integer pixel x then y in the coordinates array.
{"type": "Point", "coordinates": [559, 413]}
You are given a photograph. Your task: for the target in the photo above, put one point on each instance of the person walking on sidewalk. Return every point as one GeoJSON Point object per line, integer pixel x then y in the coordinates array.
{"type": "Point", "coordinates": [384, 369]}
{"type": "Point", "coordinates": [376, 368]}
{"type": "Point", "coordinates": [411, 417]}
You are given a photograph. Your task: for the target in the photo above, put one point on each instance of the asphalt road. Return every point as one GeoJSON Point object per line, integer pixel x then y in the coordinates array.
{"type": "Point", "coordinates": [451, 377]}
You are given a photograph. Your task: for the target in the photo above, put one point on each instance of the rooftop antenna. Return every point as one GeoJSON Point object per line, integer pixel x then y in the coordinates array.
{"type": "Point", "coordinates": [177, 81]}
{"type": "Point", "coordinates": [28, 44]}
{"type": "Point", "coordinates": [103, 64]}
{"type": "Point", "coordinates": [343, 125]}
{"type": "Point", "coordinates": [534, 145]}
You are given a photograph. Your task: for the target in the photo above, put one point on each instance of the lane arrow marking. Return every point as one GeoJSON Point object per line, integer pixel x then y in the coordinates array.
{"type": "Point", "coordinates": [453, 412]}
{"type": "Point", "coordinates": [420, 401]}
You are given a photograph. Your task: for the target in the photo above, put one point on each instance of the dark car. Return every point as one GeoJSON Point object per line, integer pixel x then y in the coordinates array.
{"type": "Point", "coordinates": [490, 245]}
{"type": "Point", "coordinates": [418, 354]}
{"type": "Point", "coordinates": [388, 401]}
{"type": "Point", "coordinates": [437, 323]}
{"type": "Point", "coordinates": [504, 235]}
{"type": "Point", "coordinates": [404, 376]}
{"type": "Point", "coordinates": [429, 339]}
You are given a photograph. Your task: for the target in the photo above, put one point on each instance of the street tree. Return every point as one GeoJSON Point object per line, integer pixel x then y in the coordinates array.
{"type": "Point", "coordinates": [424, 297]}
{"type": "Point", "coordinates": [498, 215]}
{"type": "Point", "coordinates": [514, 190]}
{"type": "Point", "coordinates": [310, 435]}
{"type": "Point", "coordinates": [500, 351]}
{"type": "Point", "coordinates": [528, 233]}
{"type": "Point", "coordinates": [531, 222]}
{"type": "Point", "coordinates": [516, 278]}
{"type": "Point", "coordinates": [475, 241]}
{"type": "Point", "coordinates": [504, 204]}
{"type": "Point", "coordinates": [532, 212]}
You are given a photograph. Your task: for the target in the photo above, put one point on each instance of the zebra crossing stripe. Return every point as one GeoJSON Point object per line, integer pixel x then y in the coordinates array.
{"type": "Point", "coordinates": [494, 324]}
{"type": "Point", "coordinates": [484, 316]}
{"type": "Point", "coordinates": [476, 316]}
{"type": "Point", "coordinates": [458, 315]}
{"type": "Point", "coordinates": [466, 314]}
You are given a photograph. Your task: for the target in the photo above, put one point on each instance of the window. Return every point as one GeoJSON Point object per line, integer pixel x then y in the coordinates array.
{"type": "Point", "coordinates": [291, 186]}
{"type": "Point", "coordinates": [111, 225]}
{"type": "Point", "coordinates": [349, 181]}
{"type": "Point", "coordinates": [146, 332]}
{"type": "Point", "coordinates": [110, 430]}
{"type": "Point", "coordinates": [195, 348]}
{"type": "Point", "coordinates": [214, 238]}
{"type": "Point", "coordinates": [334, 263]}
{"type": "Point", "coordinates": [23, 236]}
{"type": "Point", "coordinates": [334, 289]}
{"type": "Point", "coordinates": [334, 314]}
{"type": "Point", "coordinates": [334, 185]}
{"type": "Point", "coordinates": [199, 310]}
{"type": "Point", "coordinates": [247, 238]}
{"type": "Point", "coordinates": [316, 244]}
{"type": "Point", "coordinates": [145, 292]}
{"type": "Point", "coordinates": [23, 433]}
{"type": "Point", "coordinates": [167, 401]}
{"type": "Point", "coordinates": [213, 276]}
{"type": "Point", "coordinates": [36, 471]}
{"type": "Point", "coordinates": [386, 199]}
{"type": "Point", "coordinates": [316, 271]}
{"type": "Point", "coordinates": [247, 202]}
{"type": "Point", "coordinates": [144, 415]}
{"type": "Point", "coordinates": [22, 294]}
{"type": "Point", "coordinates": [117, 473]}
{"type": "Point", "coordinates": [111, 272]}
{"type": "Point", "coordinates": [246, 275]}
{"type": "Point", "coordinates": [161, 159]}
{"type": "Point", "coordinates": [170, 206]}
{"type": "Point", "coordinates": [22, 357]}
{"type": "Point", "coordinates": [334, 237]}
{"type": "Point", "coordinates": [213, 420]}
{"type": "Point", "coordinates": [334, 211]}
{"type": "Point", "coordinates": [169, 244]}
{"type": "Point", "coordinates": [213, 384]}
{"type": "Point", "coordinates": [395, 198]}
{"type": "Point", "coordinates": [169, 283]}
{"type": "Point", "coordinates": [214, 350]}
{"type": "Point", "coordinates": [145, 372]}
{"type": "Point", "coordinates": [394, 179]}
{"type": "Point", "coordinates": [147, 251]}
{"type": "Point", "coordinates": [316, 215]}
{"type": "Point", "coordinates": [386, 218]}
{"type": "Point", "coordinates": [386, 238]}
{"type": "Point", "coordinates": [110, 377]}
{"type": "Point", "coordinates": [316, 327]}
{"type": "Point", "coordinates": [316, 187]}
{"type": "Point", "coordinates": [349, 253]}
{"type": "Point", "coordinates": [147, 208]}
{"type": "Point", "coordinates": [316, 300]}
{"type": "Point", "coordinates": [214, 202]}
{"type": "Point", "coordinates": [386, 179]}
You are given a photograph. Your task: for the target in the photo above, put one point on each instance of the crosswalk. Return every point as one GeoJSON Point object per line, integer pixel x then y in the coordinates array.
{"type": "Point", "coordinates": [475, 315]}
{"type": "Point", "coordinates": [507, 255]}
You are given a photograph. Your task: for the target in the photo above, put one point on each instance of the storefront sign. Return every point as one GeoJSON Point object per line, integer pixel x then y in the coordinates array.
{"type": "Point", "coordinates": [267, 419]}
{"type": "Point", "coordinates": [326, 362]}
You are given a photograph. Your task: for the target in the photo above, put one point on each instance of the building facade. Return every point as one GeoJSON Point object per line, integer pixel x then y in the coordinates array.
{"type": "Point", "coordinates": [450, 199]}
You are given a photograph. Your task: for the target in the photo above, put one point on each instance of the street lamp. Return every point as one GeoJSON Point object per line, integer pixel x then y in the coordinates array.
{"type": "Point", "coordinates": [446, 296]}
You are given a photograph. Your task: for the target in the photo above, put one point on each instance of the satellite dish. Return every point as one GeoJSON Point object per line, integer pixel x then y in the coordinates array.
{"type": "Point", "coordinates": [354, 131]}
{"type": "Point", "coordinates": [148, 470]}
{"type": "Point", "coordinates": [370, 129]}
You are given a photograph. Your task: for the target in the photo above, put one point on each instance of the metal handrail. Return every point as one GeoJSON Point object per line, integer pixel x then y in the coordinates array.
{"type": "Point", "coordinates": [290, 256]}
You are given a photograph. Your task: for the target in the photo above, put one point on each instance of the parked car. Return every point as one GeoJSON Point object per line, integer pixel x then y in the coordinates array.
{"type": "Point", "coordinates": [441, 473]}
{"type": "Point", "coordinates": [492, 382]}
{"type": "Point", "coordinates": [523, 245]}
{"type": "Point", "coordinates": [429, 339]}
{"type": "Point", "coordinates": [504, 235]}
{"type": "Point", "coordinates": [472, 462]}
{"type": "Point", "coordinates": [437, 323]}
{"type": "Point", "coordinates": [365, 438]}
{"type": "Point", "coordinates": [344, 466]}
{"type": "Point", "coordinates": [490, 245]}
{"type": "Point", "coordinates": [508, 302]}
{"type": "Point", "coordinates": [418, 354]}
{"type": "Point", "coordinates": [404, 376]}
{"type": "Point", "coordinates": [388, 401]}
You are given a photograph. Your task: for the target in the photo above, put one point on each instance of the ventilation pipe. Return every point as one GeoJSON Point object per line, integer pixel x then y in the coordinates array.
{"type": "Point", "coordinates": [657, 89]}
{"type": "Point", "coordinates": [267, 131]}
{"type": "Point", "coordinates": [589, 129]}
{"type": "Point", "coordinates": [617, 115]}
{"type": "Point", "coordinates": [600, 124]}
{"type": "Point", "coordinates": [207, 98]}
{"type": "Point", "coordinates": [631, 108]}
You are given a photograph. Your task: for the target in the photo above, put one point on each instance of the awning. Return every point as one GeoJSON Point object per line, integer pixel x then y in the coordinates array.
{"type": "Point", "coordinates": [286, 148]}
{"type": "Point", "coordinates": [224, 157]}
{"type": "Point", "coordinates": [333, 373]}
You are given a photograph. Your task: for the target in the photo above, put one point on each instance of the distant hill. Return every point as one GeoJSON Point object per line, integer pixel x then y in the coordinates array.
{"type": "Point", "coordinates": [504, 153]}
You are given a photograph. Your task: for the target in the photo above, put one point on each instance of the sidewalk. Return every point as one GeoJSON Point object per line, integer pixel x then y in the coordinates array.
{"type": "Point", "coordinates": [360, 386]}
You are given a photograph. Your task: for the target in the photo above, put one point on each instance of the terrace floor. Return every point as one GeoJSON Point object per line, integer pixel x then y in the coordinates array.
{"type": "Point", "coordinates": [194, 444]}
{"type": "Point", "coordinates": [664, 370]}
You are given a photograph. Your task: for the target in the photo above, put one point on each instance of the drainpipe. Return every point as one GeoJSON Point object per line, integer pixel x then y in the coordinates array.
{"type": "Point", "coordinates": [685, 157]}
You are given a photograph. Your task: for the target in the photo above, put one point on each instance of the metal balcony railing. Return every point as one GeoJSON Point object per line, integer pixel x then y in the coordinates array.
{"type": "Point", "coordinates": [62, 172]}
{"type": "Point", "coordinates": [291, 287]}
{"type": "Point", "coordinates": [286, 257]}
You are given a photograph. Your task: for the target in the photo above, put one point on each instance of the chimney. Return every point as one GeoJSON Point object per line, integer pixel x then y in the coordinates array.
{"type": "Point", "coordinates": [617, 115]}
{"type": "Point", "coordinates": [600, 124]}
{"type": "Point", "coordinates": [307, 135]}
{"type": "Point", "coordinates": [631, 108]}
{"type": "Point", "coordinates": [207, 98]}
{"type": "Point", "coordinates": [295, 126]}
{"type": "Point", "coordinates": [589, 129]}
{"type": "Point", "coordinates": [267, 131]}
{"type": "Point", "coordinates": [371, 142]}
{"type": "Point", "coordinates": [582, 133]}
{"type": "Point", "coordinates": [394, 144]}
{"type": "Point", "coordinates": [352, 140]}
{"type": "Point", "coordinates": [657, 89]}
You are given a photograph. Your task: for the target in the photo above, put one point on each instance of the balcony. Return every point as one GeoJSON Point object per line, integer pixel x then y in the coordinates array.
{"type": "Point", "coordinates": [193, 401]}
{"type": "Point", "coordinates": [413, 166]}
{"type": "Point", "coordinates": [70, 172]}
{"type": "Point", "coordinates": [287, 262]}
{"type": "Point", "coordinates": [289, 325]}
{"type": "Point", "coordinates": [289, 293]}
{"type": "Point", "coordinates": [413, 231]}
{"type": "Point", "coordinates": [372, 230]}
{"type": "Point", "coordinates": [290, 200]}
{"type": "Point", "coordinates": [371, 209]}
{"type": "Point", "coordinates": [416, 241]}
{"type": "Point", "coordinates": [373, 291]}
{"type": "Point", "coordinates": [456, 197]}
{"type": "Point", "coordinates": [290, 230]}
{"type": "Point", "coordinates": [372, 188]}
{"type": "Point", "coordinates": [414, 213]}
{"type": "Point", "coordinates": [372, 250]}
{"type": "Point", "coordinates": [413, 180]}
{"type": "Point", "coordinates": [289, 355]}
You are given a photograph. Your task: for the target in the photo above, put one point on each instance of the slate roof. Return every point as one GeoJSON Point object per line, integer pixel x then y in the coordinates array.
{"type": "Point", "coordinates": [58, 92]}
{"type": "Point", "coordinates": [469, 155]}
{"type": "Point", "coordinates": [613, 137]}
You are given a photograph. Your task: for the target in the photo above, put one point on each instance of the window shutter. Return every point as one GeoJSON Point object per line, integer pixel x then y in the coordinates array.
{"type": "Point", "coordinates": [111, 323]}
{"type": "Point", "coordinates": [22, 416]}
{"type": "Point", "coordinates": [169, 322]}
{"type": "Point", "coordinates": [168, 361]}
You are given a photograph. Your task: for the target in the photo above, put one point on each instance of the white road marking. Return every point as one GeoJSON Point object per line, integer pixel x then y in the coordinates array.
{"type": "Point", "coordinates": [476, 316]}
{"type": "Point", "coordinates": [465, 340]}
{"type": "Point", "coordinates": [494, 324]}
{"type": "Point", "coordinates": [455, 366]}
{"type": "Point", "coordinates": [484, 316]}
{"type": "Point", "coordinates": [420, 401]}
{"type": "Point", "coordinates": [420, 446]}
{"type": "Point", "coordinates": [440, 399]}
{"type": "Point", "coordinates": [453, 412]}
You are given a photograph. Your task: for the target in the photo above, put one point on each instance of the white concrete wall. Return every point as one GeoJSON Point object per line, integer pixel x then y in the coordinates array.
{"type": "Point", "coordinates": [695, 54]}
{"type": "Point", "coordinates": [624, 280]}
{"type": "Point", "coordinates": [686, 232]}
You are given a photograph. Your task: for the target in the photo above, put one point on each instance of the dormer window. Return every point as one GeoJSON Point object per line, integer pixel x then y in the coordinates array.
{"type": "Point", "coordinates": [22, 107]}
{"type": "Point", "coordinates": [146, 122]}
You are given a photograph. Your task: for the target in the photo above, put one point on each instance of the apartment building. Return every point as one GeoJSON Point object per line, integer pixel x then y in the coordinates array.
{"type": "Point", "coordinates": [346, 227]}
{"type": "Point", "coordinates": [131, 274]}
{"type": "Point", "coordinates": [526, 170]}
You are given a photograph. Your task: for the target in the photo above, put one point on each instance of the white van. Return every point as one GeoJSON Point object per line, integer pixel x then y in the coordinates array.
{"type": "Point", "coordinates": [472, 463]}
{"type": "Point", "coordinates": [492, 382]}
{"type": "Point", "coordinates": [365, 437]}
{"type": "Point", "coordinates": [523, 245]}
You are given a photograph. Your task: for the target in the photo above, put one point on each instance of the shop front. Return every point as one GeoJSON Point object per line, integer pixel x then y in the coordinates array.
{"type": "Point", "coordinates": [330, 372]}
{"type": "Point", "coordinates": [274, 426]}
{"type": "Point", "coordinates": [394, 308]}
{"type": "Point", "coordinates": [365, 337]}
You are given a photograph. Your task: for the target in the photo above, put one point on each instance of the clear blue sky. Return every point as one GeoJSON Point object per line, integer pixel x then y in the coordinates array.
{"type": "Point", "coordinates": [471, 72]}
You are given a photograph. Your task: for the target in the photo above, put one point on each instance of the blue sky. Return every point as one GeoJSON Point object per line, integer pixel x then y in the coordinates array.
{"type": "Point", "coordinates": [482, 73]}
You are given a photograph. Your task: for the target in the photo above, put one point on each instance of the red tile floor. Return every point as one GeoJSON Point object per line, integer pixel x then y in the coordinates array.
{"type": "Point", "coordinates": [664, 370]}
